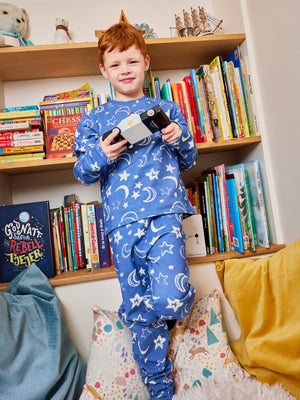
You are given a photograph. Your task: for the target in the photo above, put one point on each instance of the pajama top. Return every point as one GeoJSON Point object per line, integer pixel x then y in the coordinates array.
{"type": "Point", "coordinates": [142, 182]}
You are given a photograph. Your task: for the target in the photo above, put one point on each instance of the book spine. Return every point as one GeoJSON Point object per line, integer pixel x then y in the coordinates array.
{"type": "Point", "coordinates": [230, 67]}
{"type": "Point", "coordinates": [198, 134]}
{"type": "Point", "coordinates": [219, 222]}
{"type": "Point", "coordinates": [237, 78]}
{"type": "Point", "coordinates": [235, 221]}
{"type": "Point", "coordinates": [85, 229]}
{"type": "Point", "coordinates": [14, 126]}
{"type": "Point", "coordinates": [21, 135]}
{"type": "Point", "coordinates": [199, 104]}
{"type": "Point", "coordinates": [19, 114]}
{"type": "Point", "coordinates": [205, 108]}
{"type": "Point", "coordinates": [188, 110]}
{"type": "Point", "coordinates": [102, 238]}
{"type": "Point", "coordinates": [21, 143]}
{"type": "Point", "coordinates": [249, 84]}
{"type": "Point", "coordinates": [215, 67]}
{"type": "Point", "coordinates": [63, 238]}
{"type": "Point", "coordinates": [181, 103]}
{"type": "Point", "coordinates": [93, 235]}
{"type": "Point", "coordinates": [19, 108]}
{"type": "Point", "coordinates": [78, 233]}
{"type": "Point", "coordinates": [205, 76]}
{"type": "Point", "coordinates": [21, 150]}
{"type": "Point", "coordinates": [204, 213]}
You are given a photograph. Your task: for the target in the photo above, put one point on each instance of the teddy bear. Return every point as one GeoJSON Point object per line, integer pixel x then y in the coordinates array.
{"type": "Point", "coordinates": [14, 23]}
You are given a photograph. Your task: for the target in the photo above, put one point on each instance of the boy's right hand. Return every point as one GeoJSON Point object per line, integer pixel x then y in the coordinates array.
{"type": "Point", "coordinates": [112, 150]}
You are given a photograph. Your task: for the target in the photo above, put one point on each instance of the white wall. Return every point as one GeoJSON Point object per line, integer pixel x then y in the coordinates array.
{"type": "Point", "coordinates": [272, 30]}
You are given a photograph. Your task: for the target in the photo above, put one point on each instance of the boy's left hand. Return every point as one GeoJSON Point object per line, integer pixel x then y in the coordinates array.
{"type": "Point", "coordinates": [171, 132]}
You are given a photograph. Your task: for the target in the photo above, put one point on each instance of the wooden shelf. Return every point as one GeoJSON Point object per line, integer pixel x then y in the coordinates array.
{"type": "Point", "coordinates": [71, 278]}
{"type": "Point", "coordinates": [28, 166]}
{"type": "Point", "coordinates": [81, 59]}
{"type": "Point", "coordinates": [227, 145]}
{"type": "Point", "coordinates": [55, 164]}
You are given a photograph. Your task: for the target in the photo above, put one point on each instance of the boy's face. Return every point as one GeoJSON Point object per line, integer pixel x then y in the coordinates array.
{"type": "Point", "coordinates": [126, 72]}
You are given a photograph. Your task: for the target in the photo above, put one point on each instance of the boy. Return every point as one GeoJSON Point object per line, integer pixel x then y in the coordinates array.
{"type": "Point", "coordinates": [144, 201]}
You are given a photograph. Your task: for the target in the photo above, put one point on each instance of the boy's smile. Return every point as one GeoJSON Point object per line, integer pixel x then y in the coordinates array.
{"type": "Point", "coordinates": [126, 72]}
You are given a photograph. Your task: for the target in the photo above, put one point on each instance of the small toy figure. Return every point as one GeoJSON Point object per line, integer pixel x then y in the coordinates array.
{"type": "Point", "coordinates": [14, 24]}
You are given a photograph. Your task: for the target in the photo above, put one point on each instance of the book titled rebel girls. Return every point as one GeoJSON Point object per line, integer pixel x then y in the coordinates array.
{"type": "Point", "coordinates": [25, 239]}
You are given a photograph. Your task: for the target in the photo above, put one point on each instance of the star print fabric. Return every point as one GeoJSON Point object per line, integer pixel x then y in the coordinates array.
{"type": "Point", "coordinates": [143, 182]}
{"type": "Point", "coordinates": [150, 261]}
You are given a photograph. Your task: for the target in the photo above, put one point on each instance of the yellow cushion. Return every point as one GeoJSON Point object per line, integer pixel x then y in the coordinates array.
{"type": "Point", "coordinates": [265, 296]}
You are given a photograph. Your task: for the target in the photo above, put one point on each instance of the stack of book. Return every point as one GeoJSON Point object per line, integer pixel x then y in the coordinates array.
{"type": "Point", "coordinates": [231, 202]}
{"type": "Point", "coordinates": [79, 236]}
{"type": "Point", "coordinates": [21, 134]}
{"type": "Point", "coordinates": [216, 99]}
{"type": "Point", "coordinates": [61, 113]}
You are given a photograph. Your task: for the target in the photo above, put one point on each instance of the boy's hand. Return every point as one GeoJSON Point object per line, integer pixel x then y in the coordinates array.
{"type": "Point", "coordinates": [112, 150]}
{"type": "Point", "coordinates": [171, 132]}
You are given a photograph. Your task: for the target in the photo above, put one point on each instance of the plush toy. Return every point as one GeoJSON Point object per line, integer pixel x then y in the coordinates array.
{"type": "Point", "coordinates": [14, 23]}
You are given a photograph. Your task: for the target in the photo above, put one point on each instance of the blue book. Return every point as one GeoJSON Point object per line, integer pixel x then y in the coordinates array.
{"type": "Point", "coordinates": [102, 237]}
{"type": "Point", "coordinates": [234, 213]}
{"type": "Point", "coordinates": [25, 239]}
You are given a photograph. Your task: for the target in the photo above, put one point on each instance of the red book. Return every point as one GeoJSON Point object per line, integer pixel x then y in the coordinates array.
{"type": "Point", "coordinates": [60, 134]}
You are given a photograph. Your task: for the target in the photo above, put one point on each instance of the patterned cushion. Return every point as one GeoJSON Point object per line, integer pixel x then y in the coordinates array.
{"type": "Point", "coordinates": [199, 346]}
{"type": "Point", "coordinates": [112, 372]}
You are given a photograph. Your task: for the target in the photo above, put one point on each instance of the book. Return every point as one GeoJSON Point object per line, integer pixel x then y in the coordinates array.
{"type": "Point", "coordinates": [219, 86]}
{"type": "Point", "coordinates": [258, 203]}
{"type": "Point", "coordinates": [235, 57]}
{"type": "Point", "coordinates": [21, 157]}
{"type": "Point", "coordinates": [249, 83]}
{"type": "Point", "coordinates": [235, 219]}
{"type": "Point", "coordinates": [21, 135]}
{"type": "Point", "coordinates": [86, 239]}
{"type": "Point", "coordinates": [194, 236]}
{"type": "Point", "coordinates": [21, 142]}
{"type": "Point", "coordinates": [219, 221]}
{"type": "Point", "coordinates": [60, 134]}
{"type": "Point", "coordinates": [205, 77]}
{"type": "Point", "coordinates": [25, 239]}
{"type": "Point", "coordinates": [244, 204]}
{"type": "Point", "coordinates": [19, 108]}
{"type": "Point", "coordinates": [198, 104]}
{"type": "Point", "coordinates": [205, 216]}
{"type": "Point", "coordinates": [194, 114]}
{"type": "Point", "coordinates": [83, 91]}
{"type": "Point", "coordinates": [102, 237]}
{"type": "Point", "coordinates": [19, 114]}
{"type": "Point", "coordinates": [93, 238]}
{"type": "Point", "coordinates": [21, 150]}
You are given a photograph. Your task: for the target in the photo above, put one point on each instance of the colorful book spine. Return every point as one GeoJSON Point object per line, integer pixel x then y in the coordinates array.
{"type": "Point", "coordinates": [102, 237]}
{"type": "Point", "coordinates": [235, 221]}
{"type": "Point", "coordinates": [21, 150]}
{"type": "Point", "coordinates": [85, 231]}
{"type": "Point", "coordinates": [21, 143]}
{"type": "Point", "coordinates": [21, 135]}
{"type": "Point", "coordinates": [19, 114]}
{"type": "Point", "coordinates": [216, 71]}
{"type": "Point", "coordinates": [205, 76]}
{"type": "Point", "coordinates": [93, 235]}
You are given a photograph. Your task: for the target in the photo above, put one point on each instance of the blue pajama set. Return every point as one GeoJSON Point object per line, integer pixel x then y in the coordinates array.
{"type": "Point", "coordinates": [144, 201]}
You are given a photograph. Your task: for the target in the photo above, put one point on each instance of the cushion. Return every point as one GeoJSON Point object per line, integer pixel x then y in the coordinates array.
{"type": "Point", "coordinates": [38, 360]}
{"type": "Point", "coordinates": [264, 294]}
{"type": "Point", "coordinates": [199, 346]}
{"type": "Point", "coordinates": [112, 371]}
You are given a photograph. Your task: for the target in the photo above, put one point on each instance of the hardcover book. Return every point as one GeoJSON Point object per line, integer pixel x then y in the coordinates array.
{"type": "Point", "coordinates": [25, 239]}
{"type": "Point", "coordinates": [60, 133]}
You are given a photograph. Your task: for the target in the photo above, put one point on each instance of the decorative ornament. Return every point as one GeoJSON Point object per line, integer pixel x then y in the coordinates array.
{"type": "Point", "coordinates": [197, 22]}
{"type": "Point", "coordinates": [144, 28]}
{"type": "Point", "coordinates": [62, 31]}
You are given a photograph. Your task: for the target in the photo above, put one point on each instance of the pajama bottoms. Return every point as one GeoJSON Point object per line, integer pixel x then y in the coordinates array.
{"type": "Point", "coordinates": [149, 258]}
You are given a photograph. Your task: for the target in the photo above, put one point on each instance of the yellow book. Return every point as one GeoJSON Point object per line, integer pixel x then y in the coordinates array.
{"type": "Point", "coordinates": [19, 114]}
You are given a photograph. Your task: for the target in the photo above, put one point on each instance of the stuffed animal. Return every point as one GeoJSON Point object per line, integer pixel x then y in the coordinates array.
{"type": "Point", "coordinates": [14, 23]}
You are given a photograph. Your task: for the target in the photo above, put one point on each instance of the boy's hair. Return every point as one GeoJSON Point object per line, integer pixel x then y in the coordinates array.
{"type": "Point", "coordinates": [120, 36]}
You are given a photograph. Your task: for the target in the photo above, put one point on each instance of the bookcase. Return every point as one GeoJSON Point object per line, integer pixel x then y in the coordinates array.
{"type": "Point", "coordinates": [80, 59]}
